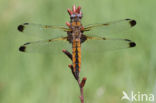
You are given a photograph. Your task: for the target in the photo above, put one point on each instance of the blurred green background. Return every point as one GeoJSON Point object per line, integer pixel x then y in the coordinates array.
{"type": "Point", "coordinates": [44, 78]}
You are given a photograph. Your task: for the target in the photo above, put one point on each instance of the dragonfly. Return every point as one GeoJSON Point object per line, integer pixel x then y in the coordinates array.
{"type": "Point", "coordinates": [75, 35]}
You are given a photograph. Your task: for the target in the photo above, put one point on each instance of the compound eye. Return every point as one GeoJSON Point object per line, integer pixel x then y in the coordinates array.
{"type": "Point", "coordinates": [79, 16]}
{"type": "Point", "coordinates": [72, 16]}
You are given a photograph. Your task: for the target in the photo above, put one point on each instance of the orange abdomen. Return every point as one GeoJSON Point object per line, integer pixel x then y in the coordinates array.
{"type": "Point", "coordinates": [76, 56]}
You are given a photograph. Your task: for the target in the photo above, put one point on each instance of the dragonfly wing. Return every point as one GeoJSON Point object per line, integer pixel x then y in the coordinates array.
{"type": "Point", "coordinates": [110, 28]}
{"type": "Point", "coordinates": [42, 30]}
{"type": "Point", "coordinates": [100, 44]}
{"type": "Point", "coordinates": [46, 46]}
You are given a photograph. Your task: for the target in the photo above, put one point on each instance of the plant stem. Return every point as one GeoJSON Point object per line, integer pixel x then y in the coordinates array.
{"type": "Point", "coordinates": [81, 92]}
{"type": "Point", "coordinates": [80, 83]}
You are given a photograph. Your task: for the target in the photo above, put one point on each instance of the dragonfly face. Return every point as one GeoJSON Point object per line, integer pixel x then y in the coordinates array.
{"type": "Point", "coordinates": [76, 35]}
{"type": "Point", "coordinates": [75, 17]}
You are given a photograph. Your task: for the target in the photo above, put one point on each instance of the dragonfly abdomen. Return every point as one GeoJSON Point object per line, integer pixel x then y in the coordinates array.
{"type": "Point", "coordinates": [76, 56]}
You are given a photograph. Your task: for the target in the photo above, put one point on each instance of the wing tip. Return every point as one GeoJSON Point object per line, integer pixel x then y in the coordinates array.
{"type": "Point", "coordinates": [132, 44]}
{"type": "Point", "coordinates": [21, 27]}
{"type": "Point", "coordinates": [131, 22]}
{"type": "Point", "coordinates": [22, 48]}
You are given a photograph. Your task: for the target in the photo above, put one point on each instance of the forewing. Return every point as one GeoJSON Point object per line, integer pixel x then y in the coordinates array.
{"type": "Point", "coordinates": [42, 30]}
{"type": "Point", "coordinates": [46, 46]}
{"type": "Point", "coordinates": [110, 28]}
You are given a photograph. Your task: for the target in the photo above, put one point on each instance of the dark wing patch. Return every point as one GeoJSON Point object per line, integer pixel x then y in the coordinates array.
{"type": "Point", "coordinates": [132, 22]}
{"type": "Point", "coordinates": [132, 44]}
{"type": "Point", "coordinates": [22, 48]}
{"type": "Point", "coordinates": [20, 28]}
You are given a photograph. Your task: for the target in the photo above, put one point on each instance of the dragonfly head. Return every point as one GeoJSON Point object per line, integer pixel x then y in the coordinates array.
{"type": "Point", "coordinates": [75, 13]}
{"type": "Point", "coordinates": [75, 17]}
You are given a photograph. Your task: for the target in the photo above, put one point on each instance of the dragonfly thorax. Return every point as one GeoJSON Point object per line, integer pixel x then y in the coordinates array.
{"type": "Point", "coordinates": [76, 33]}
